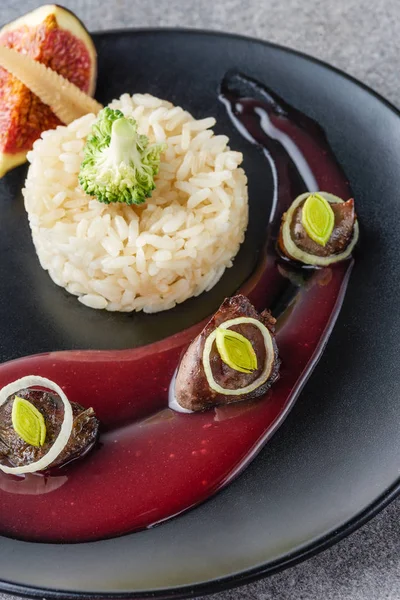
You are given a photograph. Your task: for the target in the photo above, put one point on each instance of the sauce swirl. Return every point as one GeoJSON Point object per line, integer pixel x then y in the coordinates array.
{"type": "Point", "coordinates": [152, 462]}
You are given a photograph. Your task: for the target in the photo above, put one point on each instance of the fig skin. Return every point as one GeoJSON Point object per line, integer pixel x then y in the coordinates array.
{"type": "Point", "coordinates": [192, 390]}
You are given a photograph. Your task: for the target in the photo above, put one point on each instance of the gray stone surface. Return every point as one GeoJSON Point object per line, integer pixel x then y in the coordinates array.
{"type": "Point", "coordinates": [362, 37]}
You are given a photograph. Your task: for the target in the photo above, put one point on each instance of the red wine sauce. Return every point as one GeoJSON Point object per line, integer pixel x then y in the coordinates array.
{"type": "Point", "coordinates": [152, 463]}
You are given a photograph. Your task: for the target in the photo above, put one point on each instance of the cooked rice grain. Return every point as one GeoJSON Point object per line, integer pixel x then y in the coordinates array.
{"type": "Point", "coordinates": [149, 257]}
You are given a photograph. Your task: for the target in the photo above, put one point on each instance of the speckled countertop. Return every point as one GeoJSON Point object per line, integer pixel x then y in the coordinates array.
{"type": "Point", "coordinates": [362, 38]}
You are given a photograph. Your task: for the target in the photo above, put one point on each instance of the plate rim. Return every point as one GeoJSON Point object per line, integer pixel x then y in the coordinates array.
{"type": "Point", "coordinates": [309, 550]}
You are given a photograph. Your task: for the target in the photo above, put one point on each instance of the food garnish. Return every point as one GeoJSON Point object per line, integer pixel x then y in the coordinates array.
{"type": "Point", "coordinates": [239, 391]}
{"type": "Point", "coordinates": [28, 422]}
{"type": "Point", "coordinates": [318, 218]}
{"type": "Point", "coordinates": [319, 229]}
{"type": "Point", "coordinates": [64, 98]}
{"type": "Point", "coordinates": [235, 350]}
{"type": "Point", "coordinates": [49, 36]}
{"type": "Point", "coordinates": [40, 429]}
{"type": "Point", "coordinates": [119, 164]}
{"type": "Point", "coordinates": [208, 374]}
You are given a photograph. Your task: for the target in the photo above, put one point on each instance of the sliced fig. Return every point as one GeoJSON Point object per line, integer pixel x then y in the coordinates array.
{"type": "Point", "coordinates": [208, 377]}
{"type": "Point", "coordinates": [66, 101]}
{"type": "Point", "coordinates": [54, 36]}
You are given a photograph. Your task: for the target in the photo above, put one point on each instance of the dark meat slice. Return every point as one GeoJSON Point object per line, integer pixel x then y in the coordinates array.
{"type": "Point", "coordinates": [18, 453]}
{"type": "Point", "coordinates": [192, 390]}
{"type": "Point", "coordinates": [341, 236]}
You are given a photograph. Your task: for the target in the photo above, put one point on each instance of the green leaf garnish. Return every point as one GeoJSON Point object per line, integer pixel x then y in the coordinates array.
{"type": "Point", "coordinates": [318, 219]}
{"type": "Point", "coordinates": [28, 422]}
{"type": "Point", "coordinates": [236, 351]}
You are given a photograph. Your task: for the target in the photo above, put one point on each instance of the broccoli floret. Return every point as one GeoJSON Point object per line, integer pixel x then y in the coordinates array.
{"type": "Point", "coordinates": [119, 165]}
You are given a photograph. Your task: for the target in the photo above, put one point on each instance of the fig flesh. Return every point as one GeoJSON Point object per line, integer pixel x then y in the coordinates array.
{"type": "Point", "coordinates": [55, 37]}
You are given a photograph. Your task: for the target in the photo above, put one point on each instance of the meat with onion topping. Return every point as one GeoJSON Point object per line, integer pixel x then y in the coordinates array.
{"type": "Point", "coordinates": [17, 452]}
{"type": "Point", "coordinates": [204, 379]}
{"type": "Point", "coordinates": [341, 235]}
{"type": "Point", "coordinates": [296, 243]}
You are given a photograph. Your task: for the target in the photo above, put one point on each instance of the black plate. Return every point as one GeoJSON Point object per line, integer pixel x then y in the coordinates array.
{"type": "Point", "coordinates": [335, 461]}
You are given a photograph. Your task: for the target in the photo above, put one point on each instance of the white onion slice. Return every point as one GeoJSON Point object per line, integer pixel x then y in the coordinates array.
{"type": "Point", "coordinates": [270, 356]}
{"type": "Point", "coordinates": [305, 257]}
{"type": "Point", "coordinates": [66, 427]}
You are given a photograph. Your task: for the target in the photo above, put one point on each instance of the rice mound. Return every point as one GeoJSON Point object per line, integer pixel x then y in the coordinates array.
{"type": "Point", "coordinates": [148, 257]}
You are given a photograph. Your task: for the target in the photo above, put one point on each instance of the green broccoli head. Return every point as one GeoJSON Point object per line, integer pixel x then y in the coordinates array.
{"type": "Point", "coordinates": [119, 165]}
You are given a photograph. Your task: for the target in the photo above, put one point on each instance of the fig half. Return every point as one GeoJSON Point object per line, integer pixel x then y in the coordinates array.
{"type": "Point", "coordinates": [55, 37]}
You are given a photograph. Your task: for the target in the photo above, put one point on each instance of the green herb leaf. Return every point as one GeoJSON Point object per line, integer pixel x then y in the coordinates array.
{"type": "Point", "coordinates": [318, 219]}
{"type": "Point", "coordinates": [236, 351]}
{"type": "Point", "coordinates": [28, 422]}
